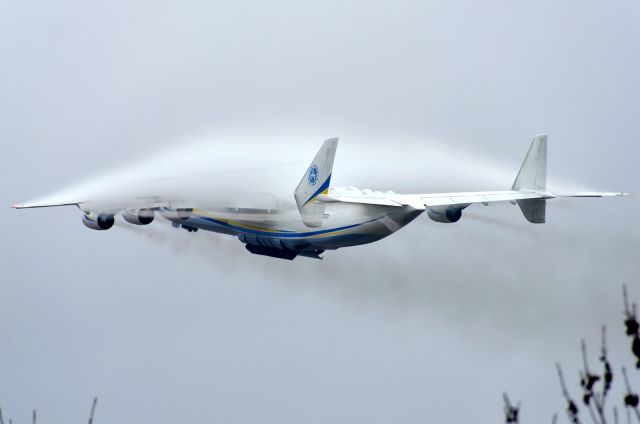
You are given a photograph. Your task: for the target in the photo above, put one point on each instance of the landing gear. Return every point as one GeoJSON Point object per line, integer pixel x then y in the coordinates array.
{"type": "Point", "coordinates": [288, 254]}
{"type": "Point", "coordinates": [175, 224]}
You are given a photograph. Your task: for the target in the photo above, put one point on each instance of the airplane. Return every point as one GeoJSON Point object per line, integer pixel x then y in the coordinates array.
{"type": "Point", "coordinates": [327, 218]}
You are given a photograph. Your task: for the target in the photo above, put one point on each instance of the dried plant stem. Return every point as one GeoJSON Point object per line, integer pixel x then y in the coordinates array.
{"type": "Point", "coordinates": [93, 410]}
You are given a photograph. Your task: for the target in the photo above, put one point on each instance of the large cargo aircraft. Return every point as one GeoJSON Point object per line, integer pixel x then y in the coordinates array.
{"type": "Point", "coordinates": [328, 218]}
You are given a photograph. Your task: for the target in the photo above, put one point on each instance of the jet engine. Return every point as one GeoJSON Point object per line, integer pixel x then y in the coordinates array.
{"type": "Point", "coordinates": [446, 214]}
{"type": "Point", "coordinates": [101, 221]}
{"type": "Point", "coordinates": [138, 216]}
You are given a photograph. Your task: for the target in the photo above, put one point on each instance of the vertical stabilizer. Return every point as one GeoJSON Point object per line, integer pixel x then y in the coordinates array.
{"type": "Point", "coordinates": [533, 176]}
{"type": "Point", "coordinates": [315, 182]}
{"type": "Point", "coordinates": [533, 172]}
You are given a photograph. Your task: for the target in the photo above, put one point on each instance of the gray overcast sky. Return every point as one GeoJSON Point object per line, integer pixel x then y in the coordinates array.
{"type": "Point", "coordinates": [429, 325]}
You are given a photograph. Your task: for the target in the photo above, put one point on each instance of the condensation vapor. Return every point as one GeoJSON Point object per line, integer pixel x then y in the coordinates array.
{"type": "Point", "coordinates": [208, 166]}
{"type": "Point", "coordinates": [492, 267]}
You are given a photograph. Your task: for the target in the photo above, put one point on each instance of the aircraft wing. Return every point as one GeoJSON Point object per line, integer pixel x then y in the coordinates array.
{"type": "Point", "coordinates": [152, 202]}
{"type": "Point", "coordinates": [484, 197]}
{"type": "Point", "coordinates": [421, 201]}
{"type": "Point", "coordinates": [42, 205]}
{"type": "Point", "coordinates": [532, 203]}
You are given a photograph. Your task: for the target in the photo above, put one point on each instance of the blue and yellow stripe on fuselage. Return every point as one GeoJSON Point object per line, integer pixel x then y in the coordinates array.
{"type": "Point", "coordinates": [330, 238]}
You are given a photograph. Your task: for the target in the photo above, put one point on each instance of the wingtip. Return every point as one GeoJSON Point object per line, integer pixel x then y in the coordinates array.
{"type": "Point", "coordinates": [15, 206]}
{"type": "Point", "coordinates": [617, 194]}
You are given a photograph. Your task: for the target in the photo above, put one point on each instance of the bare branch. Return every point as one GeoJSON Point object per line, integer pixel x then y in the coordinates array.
{"type": "Point", "coordinates": [608, 371]}
{"type": "Point", "coordinates": [93, 410]}
{"type": "Point", "coordinates": [635, 349]}
{"type": "Point", "coordinates": [587, 382]}
{"type": "Point", "coordinates": [572, 408]}
{"type": "Point", "coordinates": [593, 414]}
{"type": "Point", "coordinates": [631, 321]}
{"type": "Point", "coordinates": [510, 411]}
{"type": "Point", "coordinates": [631, 399]}
{"type": "Point", "coordinates": [625, 299]}
{"type": "Point", "coordinates": [588, 379]}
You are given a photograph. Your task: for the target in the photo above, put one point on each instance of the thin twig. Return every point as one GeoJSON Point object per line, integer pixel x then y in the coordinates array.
{"type": "Point", "coordinates": [625, 299]}
{"type": "Point", "coordinates": [593, 414]}
{"type": "Point", "coordinates": [510, 411]}
{"type": "Point", "coordinates": [588, 381]}
{"type": "Point", "coordinates": [572, 408]}
{"type": "Point", "coordinates": [631, 321]}
{"type": "Point", "coordinates": [630, 399]}
{"type": "Point", "coordinates": [608, 373]}
{"type": "Point", "coordinates": [93, 410]}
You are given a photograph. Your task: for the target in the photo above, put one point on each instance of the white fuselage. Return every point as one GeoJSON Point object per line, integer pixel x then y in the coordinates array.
{"type": "Point", "coordinates": [344, 224]}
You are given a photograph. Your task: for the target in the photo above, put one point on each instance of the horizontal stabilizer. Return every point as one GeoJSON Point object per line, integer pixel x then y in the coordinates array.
{"type": "Point", "coordinates": [534, 210]}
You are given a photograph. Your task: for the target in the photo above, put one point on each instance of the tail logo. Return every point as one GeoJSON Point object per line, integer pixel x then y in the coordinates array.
{"type": "Point", "coordinates": [313, 175]}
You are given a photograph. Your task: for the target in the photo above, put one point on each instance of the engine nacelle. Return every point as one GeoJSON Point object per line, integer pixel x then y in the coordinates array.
{"type": "Point", "coordinates": [101, 221]}
{"type": "Point", "coordinates": [138, 216]}
{"type": "Point", "coordinates": [446, 214]}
